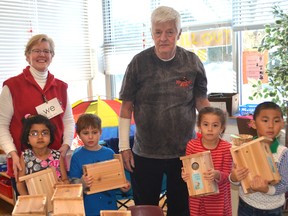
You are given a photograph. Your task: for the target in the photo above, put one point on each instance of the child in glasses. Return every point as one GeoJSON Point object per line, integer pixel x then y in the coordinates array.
{"type": "Point", "coordinates": [88, 128]}
{"type": "Point", "coordinates": [37, 135]}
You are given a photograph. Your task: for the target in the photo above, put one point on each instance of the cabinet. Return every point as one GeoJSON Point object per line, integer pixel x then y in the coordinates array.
{"type": "Point", "coordinates": [6, 190]}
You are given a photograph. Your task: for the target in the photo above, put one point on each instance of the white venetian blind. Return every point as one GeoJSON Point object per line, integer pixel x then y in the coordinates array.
{"type": "Point", "coordinates": [127, 25]}
{"type": "Point", "coordinates": [66, 22]}
{"type": "Point", "coordinates": [254, 14]}
{"type": "Point", "coordinates": [202, 14]}
{"type": "Point", "coordinates": [126, 32]}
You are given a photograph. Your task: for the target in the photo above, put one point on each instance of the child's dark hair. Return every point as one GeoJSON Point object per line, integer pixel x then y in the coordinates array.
{"type": "Point", "coordinates": [36, 119]}
{"type": "Point", "coordinates": [264, 106]}
{"type": "Point", "coordinates": [213, 110]}
{"type": "Point", "coordinates": [87, 120]}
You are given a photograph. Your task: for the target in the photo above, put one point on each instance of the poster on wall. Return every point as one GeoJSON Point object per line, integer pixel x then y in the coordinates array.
{"type": "Point", "coordinates": [254, 66]}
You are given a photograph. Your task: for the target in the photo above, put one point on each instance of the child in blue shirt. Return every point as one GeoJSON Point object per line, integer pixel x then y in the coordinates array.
{"type": "Point", "coordinates": [88, 128]}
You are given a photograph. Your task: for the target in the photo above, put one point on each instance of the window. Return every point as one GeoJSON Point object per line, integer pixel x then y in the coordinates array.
{"type": "Point", "coordinates": [66, 22]}
{"type": "Point", "coordinates": [253, 14]}
{"type": "Point", "coordinates": [127, 32]}
{"type": "Point", "coordinates": [249, 18]}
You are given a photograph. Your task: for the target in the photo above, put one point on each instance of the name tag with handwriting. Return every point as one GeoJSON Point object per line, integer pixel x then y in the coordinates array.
{"type": "Point", "coordinates": [50, 108]}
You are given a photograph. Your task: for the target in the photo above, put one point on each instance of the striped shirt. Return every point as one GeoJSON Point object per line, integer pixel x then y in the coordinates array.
{"type": "Point", "coordinates": [215, 204]}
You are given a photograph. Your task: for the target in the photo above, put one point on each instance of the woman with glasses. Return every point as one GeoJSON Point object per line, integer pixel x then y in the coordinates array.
{"type": "Point", "coordinates": [34, 91]}
{"type": "Point", "coordinates": [38, 135]}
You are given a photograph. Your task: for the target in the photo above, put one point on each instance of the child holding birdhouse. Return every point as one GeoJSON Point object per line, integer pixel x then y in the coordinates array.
{"type": "Point", "coordinates": [88, 128]}
{"type": "Point", "coordinates": [38, 135]}
{"type": "Point", "coordinates": [211, 123]}
{"type": "Point", "coordinates": [265, 199]}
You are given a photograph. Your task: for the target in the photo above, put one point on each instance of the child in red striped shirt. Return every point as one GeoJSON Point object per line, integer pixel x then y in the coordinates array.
{"type": "Point", "coordinates": [212, 123]}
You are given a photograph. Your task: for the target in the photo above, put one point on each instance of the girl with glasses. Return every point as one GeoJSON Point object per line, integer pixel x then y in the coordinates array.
{"type": "Point", "coordinates": [37, 136]}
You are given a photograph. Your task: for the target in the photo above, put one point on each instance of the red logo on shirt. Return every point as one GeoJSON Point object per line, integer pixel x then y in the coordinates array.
{"type": "Point", "coordinates": [183, 82]}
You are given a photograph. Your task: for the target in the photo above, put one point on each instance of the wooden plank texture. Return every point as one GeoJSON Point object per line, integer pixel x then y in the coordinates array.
{"type": "Point", "coordinates": [115, 213]}
{"type": "Point", "coordinates": [107, 175]}
{"type": "Point", "coordinates": [195, 165]}
{"type": "Point", "coordinates": [257, 156]}
{"type": "Point", "coordinates": [27, 205]}
{"type": "Point", "coordinates": [41, 182]}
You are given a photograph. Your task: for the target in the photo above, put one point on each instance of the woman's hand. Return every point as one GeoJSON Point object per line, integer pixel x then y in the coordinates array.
{"type": "Point", "coordinates": [16, 163]}
{"type": "Point", "coordinates": [64, 149]}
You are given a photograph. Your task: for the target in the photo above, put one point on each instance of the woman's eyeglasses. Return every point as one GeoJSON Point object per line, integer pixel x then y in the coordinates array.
{"type": "Point", "coordinates": [38, 51]}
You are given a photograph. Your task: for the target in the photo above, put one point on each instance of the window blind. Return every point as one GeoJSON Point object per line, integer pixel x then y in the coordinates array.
{"type": "Point", "coordinates": [203, 14]}
{"type": "Point", "coordinates": [126, 32]}
{"type": "Point", "coordinates": [127, 29]}
{"type": "Point", "coordinates": [66, 22]}
{"type": "Point", "coordinates": [254, 14]}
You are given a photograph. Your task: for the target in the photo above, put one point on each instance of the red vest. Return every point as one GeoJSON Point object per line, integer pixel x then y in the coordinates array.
{"type": "Point", "coordinates": [26, 95]}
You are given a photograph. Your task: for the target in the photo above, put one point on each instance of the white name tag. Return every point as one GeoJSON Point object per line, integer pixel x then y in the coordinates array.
{"type": "Point", "coordinates": [50, 109]}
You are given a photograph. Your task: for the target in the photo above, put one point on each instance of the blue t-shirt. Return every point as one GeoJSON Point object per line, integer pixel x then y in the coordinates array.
{"type": "Point", "coordinates": [93, 203]}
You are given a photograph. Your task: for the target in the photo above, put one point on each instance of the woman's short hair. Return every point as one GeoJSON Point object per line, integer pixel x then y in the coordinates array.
{"type": "Point", "coordinates": [36, 39]}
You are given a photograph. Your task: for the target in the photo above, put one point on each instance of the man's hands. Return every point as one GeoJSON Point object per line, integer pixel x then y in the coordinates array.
{"type": "Point", "coordinates": [128, 159]}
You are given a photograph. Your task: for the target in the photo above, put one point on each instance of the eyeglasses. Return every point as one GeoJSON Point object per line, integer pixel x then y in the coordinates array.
{"type": "Point", "coordinates": [38, 52]}
{"type": "Point", "coordinates": [37, 133]}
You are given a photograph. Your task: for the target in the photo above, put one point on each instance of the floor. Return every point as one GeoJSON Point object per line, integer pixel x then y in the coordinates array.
{"type": "Point", "coordinates": [6, 208]}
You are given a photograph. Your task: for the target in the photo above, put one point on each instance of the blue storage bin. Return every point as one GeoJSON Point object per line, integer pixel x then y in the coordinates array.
{"type": "Point", "coordinates": [247, 109]}
{"type": "Point", "coordinates": [3, 167]}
